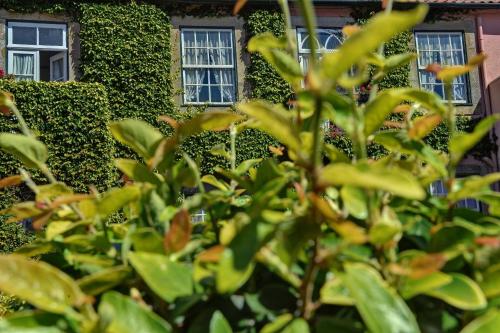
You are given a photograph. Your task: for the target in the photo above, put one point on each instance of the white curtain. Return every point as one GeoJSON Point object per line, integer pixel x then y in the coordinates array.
{"type": "Point", "coordinates": [24, 67]}
{"type": "Point", "coordinates": [225, 77]}
{"type": "Point", "coordinates": [57, 70]}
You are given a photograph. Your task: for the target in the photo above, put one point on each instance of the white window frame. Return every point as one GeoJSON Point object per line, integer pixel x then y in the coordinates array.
{"type": "Point", "coordinates": [35, 49]}
{"type": "Point", "coordinates": [421, 67]}
{"type": "Point", "coordinates": [37, 26]}
{"type": "Point", "coordinates": [10, 60]}
{"type": "Point", "coordinates": [208, 66]}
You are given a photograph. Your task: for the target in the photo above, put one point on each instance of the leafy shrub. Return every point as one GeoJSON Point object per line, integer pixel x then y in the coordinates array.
{"type": "Point", "coordinates": [307, 240]}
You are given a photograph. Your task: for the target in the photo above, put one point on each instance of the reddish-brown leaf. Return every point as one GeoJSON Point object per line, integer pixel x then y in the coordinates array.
{"type": "Point", "coordinates": [425, 265]}
{"type": "Point", "coordinates": [238, 6]}
{"type": "Point", "coordinates": [211, 255]}
{"type": "Point", "coordinates": [488, 241]}
{"type": "Point", "coordinates": [11, 181]}
{"type": "Point", "coordinates": [69, 199]}
{"type": "Point", "coordinates": [402, 108]}
{"type": "Point", "coordinates": [169, 120]}
{"type": "Point", "coordinates": [278, 151]}
{"type": "Point", "coordinates": [179, 233]}
{"type": "Point", "coordinates": [434, 68]}
{"type": "Point", "coordinates": [41, 220]}
{"type": "Point", "coordinates": [6, 100]}
{"type": "Point", "coordinates": [423, 126]}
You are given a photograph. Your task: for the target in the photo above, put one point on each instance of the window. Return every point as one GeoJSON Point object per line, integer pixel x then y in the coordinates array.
{"type": "Point", "coordinates": [37, 51]}
{"type": "Point", "coordinates": [327, 41]}
{"type": "Point", "coordinates": [438, 189]}
{"type": "Point", "coordinates": [445, 48]}
{"type": "Point", "coordinates": [208, 69]}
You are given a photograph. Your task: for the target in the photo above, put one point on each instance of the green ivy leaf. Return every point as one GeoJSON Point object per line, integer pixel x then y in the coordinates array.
{"type": "Point", "coordinates": [125, 315]}
{"type": "Point", "coordinates": [166, 278]}
{"type": "Point", "coordinates": [40, 284]}
{"type": "Point", "coordinates": [382, 310]}
{"type": "Point", "coordinates": [31, 152]}
{"type": "Point", "coordinates": [461, 292]}
{"type": "Point", "coordinates": [138, 135]}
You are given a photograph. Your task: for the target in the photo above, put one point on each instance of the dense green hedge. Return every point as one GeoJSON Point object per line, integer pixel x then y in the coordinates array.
{"type": "Point", "coordinates": [71, 119]}
{"type": "Point", "coordinates": [127, 49]}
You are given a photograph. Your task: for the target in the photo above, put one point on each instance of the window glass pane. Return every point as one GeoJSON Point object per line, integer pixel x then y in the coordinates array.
{"type": "Point", "coordinates": [215, 93]}
{"type": "Point", "coordinates": [201, 39]}
{"type": "Point", "coordinates": [188, 38]}
{"type": "Point", "coordinates": [203, 94]}
{"type": "Point", "coordinates": [190, 94]}
{"type": "Point", "coordinates": [444, 41]}
{"type": "Point", "coordinates": [433, 42]}
{"type": "Point", "coordinates": [202, 56]}
{"type": "Point", "coordinates": [24, 35]}
{"type": "Point", "coordinates": [422, 42]}
{"type": "Point", "coordinates": [215, 58]}
{"type": "Point", "coordinates": [228, 94]}
{"type": "Point", "coordinates": [225, 39]}
{"type": "Point", "coordinates": [456, 42]}
{"type": "Point", "coordinates": [333, 41]}
{"type": "Point", "coordinates": [24, 66]}
{"type": "Point", "coordinates": [189, 56]}
{"type": "Point", "coordinates": [50, 36]}
{"type": "Point", "coordinates": [227, 76]}
{"type": "Point", "coordinates": [459, 92]}
{"type": "Point", "coordinates": [226, 57]}
{"type": "Point", "coordinates": [425, 58]}
{"type": "Point", "coordinates": [446, 58]}
{"type": "Point", "coordinates": [190, 76]}
{"type": "Point", "coordinates": [213, 39]}
{"type": "Point", "coordinates": [57, 68]}
{"type": "Point", "coordinates": [458, 58]}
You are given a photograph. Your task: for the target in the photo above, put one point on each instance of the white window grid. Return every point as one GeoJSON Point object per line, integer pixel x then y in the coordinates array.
{"type": "Point", "coordinates": [208, 66]}
{"type": "Point", "coordinates": [438, 189]}
{"type": "Point", "coordinates": [334, 37]}
{"type": "Point", "coordinates": [441, 51]}
{"type": "Point", "coordinates": [37, 26]}
{"type": "Point", "coordinates": [199, 217]}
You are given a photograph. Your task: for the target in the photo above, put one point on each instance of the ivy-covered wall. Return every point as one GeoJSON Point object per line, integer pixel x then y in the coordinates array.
{"type": "Point", "coordinates": [127, 49]}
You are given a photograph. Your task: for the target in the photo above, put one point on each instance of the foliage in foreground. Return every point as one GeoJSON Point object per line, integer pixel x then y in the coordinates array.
{"type": "Point", "coordinates": [310, 240]}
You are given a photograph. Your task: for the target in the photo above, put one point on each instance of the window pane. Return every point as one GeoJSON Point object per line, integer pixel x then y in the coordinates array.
{"type": "Point", "coordinates": [57, 68]}
{"type": "Point", "coordinates": [226, 57]}
{"type": "Point", "coordinates": [333, 41]}
{"type": "Point", "coordinates": [24, 66]}
{"type": "Point", "coordinates": [425, 58]}
{"type": "Point", "coordinates": [458, 58]}
{"type": "Point", "coordinates": [188, 38]}
{"type": "Point", "coordinates": [456, 42]}
{"type": "Point", "coordinates": [190, 93]}
{"type": "Point", "coordinates": [202, 76]}
{"type": "Point", "coordinates": [459, 92]}
{"type": "Point", "coordinates": [422, 42]}
{"type": "Point", "coordinates": [201, 39]}
{"type": "Point", "coordinates": [444, 40]}
{"type": "Point", "coordinates": [225, 39]}
{"type": "Point", "coordinates": [202, 56]}
{"type": "Point", "coordinates": [189, 57]}
{"type": "Point", "coordinates": [433, 42]}
{"type": "Point", "coordinates": [215, 58]}
{"type": "Point", "coordinates": [228, 94]}
{"type": "Point", "coordinates": [213, 39]}
{"type": "Point", "coordinates": [50, 36]}
{"type": "Point", "coordinates": [227, 76]}
{"type": "Point", "coordinates": [215, 94]}
{"type": "Point", "coordinates": [446, 58]}
{"type": "Point", "coordinates": [203, 94]}
{"type": "Point", "coordinates": [24, 35]}
{"type": "Point", "coordinates": [190, 76]}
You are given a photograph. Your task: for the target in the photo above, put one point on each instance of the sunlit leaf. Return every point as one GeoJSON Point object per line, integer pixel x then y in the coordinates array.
{"type": "Point", "coordinates": [394, 180]}
{"type": "Point", "coordinates": [207, 121]}
{"type": "Point", "coordinates": [382, 310]}
{"type": "Point", "coordinates": [381, 28]}
{"type": "Point", "coordinates": [29, 151]}
{"type": "Point", "coordinates": [355, 201]}
{"type": "Point", "coordinates": [125, 315]}
{"type": "Point", "coordinates": [490, 283]}
{"type": "Point", "coordinates": [461, 143]}
{"type": "Point", "coordinates": [461, 292]}
{"type": "Point", "coordinates": [423, 126]}
{"type": "Point", "coordinates": [286, 323]}
{"type": "Point", "coordinates": [101, 281]}
{"type": "Point", "coordinates": [488, 323]}
{"type": "Point", "coordinates": [10, 181]}
{"type": "Point", "coordinates": [412, 287]}
{"type": "Point", "coordinates": [336, 293]}
{"type": "Point", "coordinates": [40, 284]}
{"type": "Point", "coordinates": [115, 199]}
{"type": "Point", "coordinates": [137, 171]}
{"type": "Point", "coordinates": [166, 278]}
{"type": "Point", "coordinates": [138, 135]}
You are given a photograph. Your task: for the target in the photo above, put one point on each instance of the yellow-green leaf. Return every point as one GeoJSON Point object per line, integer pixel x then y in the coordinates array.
{"type": "Point", "coordinates": [461, 292]}
{"type": "Point", "coordinates": [29, 151]}
{"type": "Point", "coordinates": [138, 135]}
{"type": "Point", "coordinates": [488, 323]}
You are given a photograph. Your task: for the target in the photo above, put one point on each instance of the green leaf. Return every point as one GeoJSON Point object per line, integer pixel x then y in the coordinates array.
{"type": "Point", "coordinates": [491, 282]}
{"type": "Point", "coordinates": [395, 180]}
{"type": "Point", "coordinates": [463, 142]}
{"type": "Point", "coordinates": [380, 29]}
{"type": "Point", "coordinates": [125, 315]}
{"type": "Point", "coordinates": [138, 135]}
{"type": "Point", "coordinates": [355, 201]}
{"type": "Point", "coordinates": [97, 283]}
{"type": "Point", "coordinates": [237, 260]}
{"type": "Point", "coordinates": [147, 240]}
{"type": "Point", "coordinates": [137, 171]}
{"type": "Point", "coordinates": [31, 152]}
{"type": "Point", "coordinates": [472, 186]}
{"type": "Point", "coordinates": [166, 278]}
{"type": "Point", "coordinates": [336, 293]}
{"type": "Point", "coordinates": [286, 324]}
{"type": "Point", "coordinates": [207, 121]}
{"type": "Point", "coordinates": [382, 310]}
{"type": "Point", "coordinates": [31, 322]}
{"type": "Point", "coordinates": [377, 111]}
{"type": "Point", "coordinates": [273, 120]}
{"type": "Point", "coordinates": [488, 323]}
{"type": "Point", "coordinates": [219, 324]}
{"type": "Point", "coordinates": [115, 199]}
{"type": "Point", "coordinates": [461, 292]}
{"type": "Point", "coordinates": [51, 191]}
{"type": "Point", "coordinates": [413, 287]}
{"type": "Point", "coordinates": [271, 48]}
{"type": "Point", "coordinates": [40, 284]}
